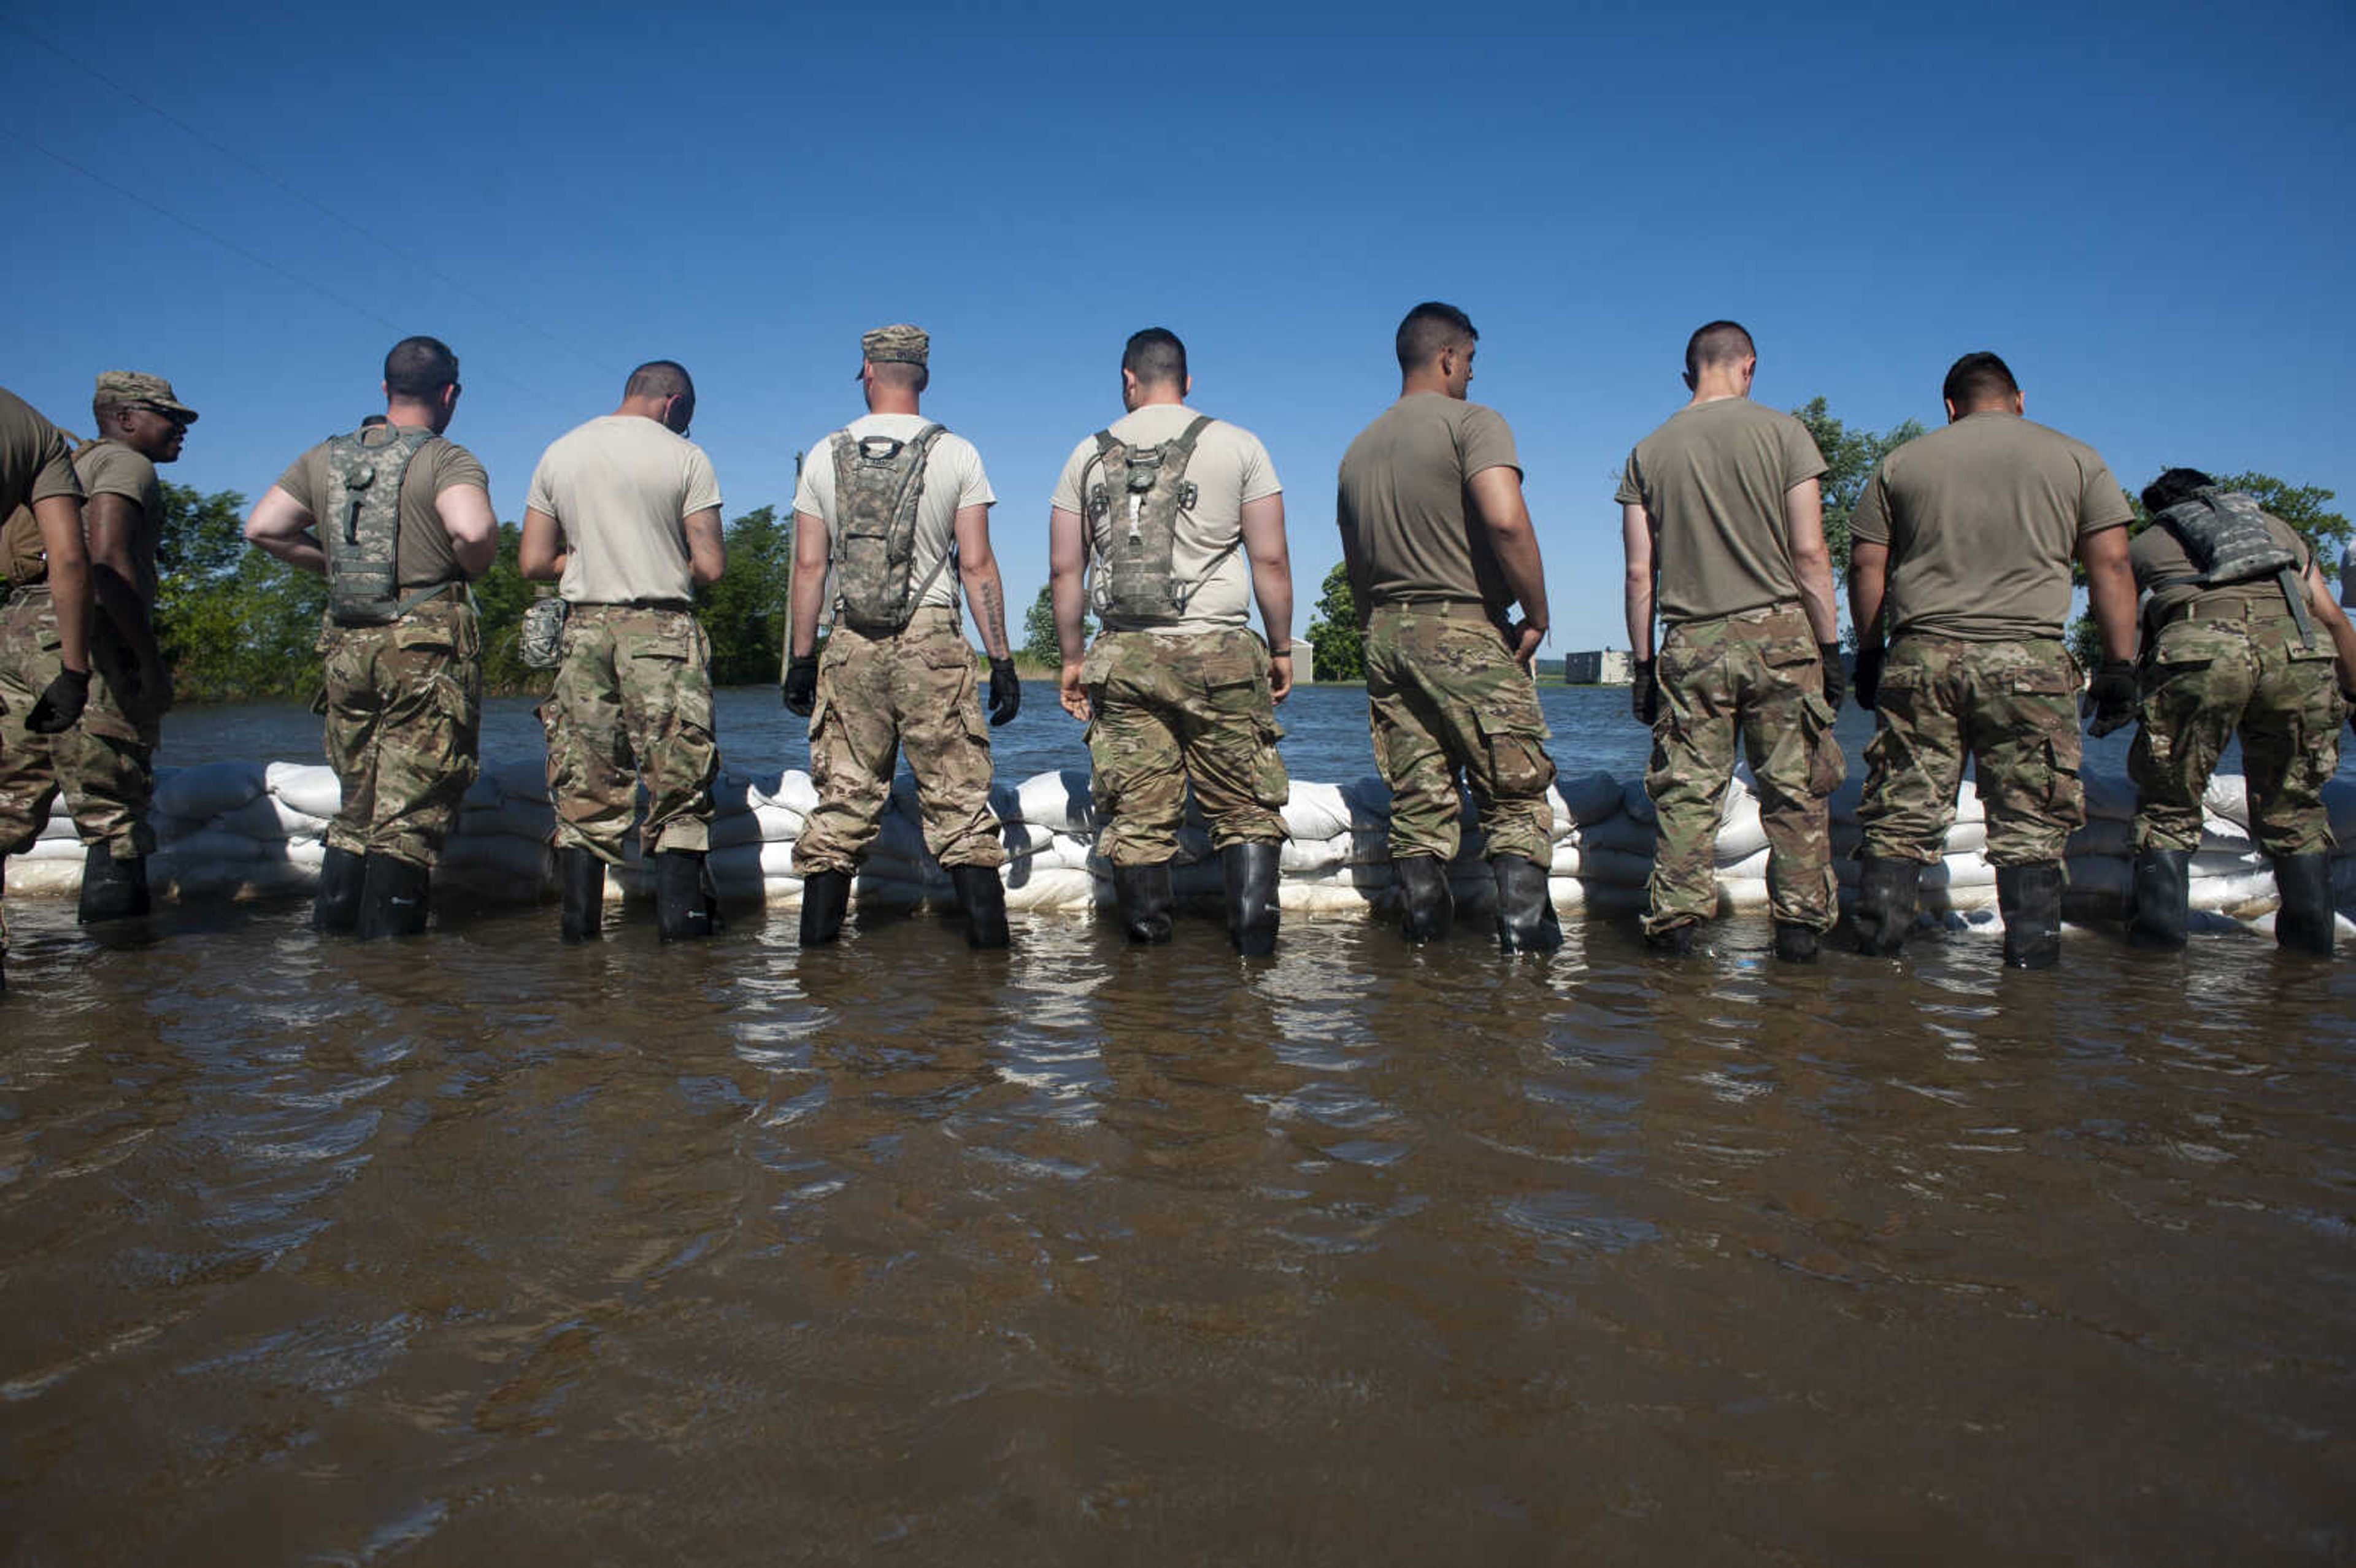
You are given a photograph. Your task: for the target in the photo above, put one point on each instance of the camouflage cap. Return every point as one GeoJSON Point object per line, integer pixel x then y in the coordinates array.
{"type": "Point", "coordinates": [898, 343]}
{"type": "Point", "coordinates": [117, 387]}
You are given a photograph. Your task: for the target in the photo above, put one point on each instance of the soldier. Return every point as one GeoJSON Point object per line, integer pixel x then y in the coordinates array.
{"type": "Point", "coordinates": [398, 519]}
{"type": "Point", "coordinates": [625, 512]}
{"type": "Point", "coordinates": [1721, 504]}
{"type": "Point", "coordinates": [105, 764]}
{"type": "Point", "coordinates": [2230, 647]}
{"type": "Point", "coordinates": [50, 588]}
{"type": "Point", "coordinates": [1438, 547]}
{"type": "Point", "coordinates": [892, 502]}
{"type": "Point", "coordinates": [1961, 547]}
{"type": "Point", "coordinates": [1182, 517]}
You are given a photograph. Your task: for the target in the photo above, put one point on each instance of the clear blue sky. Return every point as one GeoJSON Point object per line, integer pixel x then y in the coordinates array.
{"type": "Point", "coordinates": [2147, 210]}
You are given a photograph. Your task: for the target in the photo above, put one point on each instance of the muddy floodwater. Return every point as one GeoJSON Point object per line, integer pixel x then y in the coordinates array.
{"type": "Point", "coordinates": [479, 1250]}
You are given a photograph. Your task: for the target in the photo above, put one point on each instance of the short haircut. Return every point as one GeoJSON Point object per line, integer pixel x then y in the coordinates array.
{"type": "Point", "coordinates": [1720, 342]}
{"type": "Point", "coordinates": [418, 369]}
{"type": "Point", "coordinates": [900, 374]}
{"type": "Point", "coordinates": [661, 378]}
{"type": "Point", "coordinates": [1978, 380]}
{"type": "Point", "coordinates": [1429, 328]}
{"type": "Point", "coordinates": [1155, 358]}
{"type": "Point", "coordinates": [2173, 485]}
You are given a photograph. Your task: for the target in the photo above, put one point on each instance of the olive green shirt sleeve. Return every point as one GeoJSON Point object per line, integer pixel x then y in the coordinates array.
{"type": "Point", "coordinates": [1869, 521]}
{"type": "Point", "coordinates": [1487, 442]}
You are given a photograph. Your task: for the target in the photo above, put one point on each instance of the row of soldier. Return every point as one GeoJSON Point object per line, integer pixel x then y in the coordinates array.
{"type": "Point", "coordinates": [1169, 524]}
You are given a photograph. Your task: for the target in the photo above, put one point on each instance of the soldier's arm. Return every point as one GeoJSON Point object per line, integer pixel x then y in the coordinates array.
{"type": "Point", "coordinates": [2335, 621]}
{"type": "Point", "coordinates": [474, 529]}
{"type": "Point", "coordinates": [1637, 544]}
{"type": "Point", "coordinates": [1498, 496]}
{"type": "Point", "coordinates": [112, 522]}
{"type": "Point", "coordinates": [1353, 563]}
{"type": "Point", "coordinates": [707, 550]}
{"type": "Point", "coordinates": [1868, 573]}
{"type": "Point", "coordinates": [282, 526]}
{"type": "Point", "coordinates": [2110, 592]}
{"type": "Point", "coordinates": [977, 569]}
{"type": "Point", "coordinates": [1272, 569]}
{"type": "Point", "coordinates": [540, 553]}
{"type": "Point", "coordinates": [1812, 561]}
{"type": "Point", "coordinates": [60, 518]}
{"type": "Point", "coordinates": [808, 593]}
{"type": "Point", "coordinates": [1067, 565]}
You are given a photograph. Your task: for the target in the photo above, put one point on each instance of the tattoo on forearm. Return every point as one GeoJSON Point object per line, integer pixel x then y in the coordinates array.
{"type": "Point", "coordinates": [992, 614]}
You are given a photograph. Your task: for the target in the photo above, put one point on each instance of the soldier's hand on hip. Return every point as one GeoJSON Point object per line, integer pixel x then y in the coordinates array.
{"type": "Point", "coordinates": [801, 684]}
{"type": "Point", "coordinates": [1069, 692]}
{"type": "Point", "coordinates": [1835, 675]}
{"type": "Point", "coordinates": [1644, 693]}
{"type": "Point", "coordinates": [2111, 699]}
{"type": "Point", "coordinates": [1524, 639]}
{"type": "Point", "coordinates": [60, 703]}
{"type": "Point", "coordinates": [1279, 673]}
{"type": "Point", "coordinates": [1005, 692]}
{"type": "Point", "coordinates": [1866, 683]}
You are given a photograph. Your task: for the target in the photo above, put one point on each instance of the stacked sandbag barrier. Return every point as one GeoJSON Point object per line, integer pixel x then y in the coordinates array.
{"type": "Point", "coordinates": [232, 829]}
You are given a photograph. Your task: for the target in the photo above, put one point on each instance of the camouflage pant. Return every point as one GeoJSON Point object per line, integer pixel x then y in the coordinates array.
{"type": "Point", "coordinates": [1170, 708]}
{"type": "Point", "coordinates": [1444, 697]}
{"type": "Point", "coordinates": [104, 764]}
{"type": "Point", "coordinates": [2203, 680]}
{"type": "Point", "coordinates": [632, 702]}
{"type": "Point", "coordinates": [403, 711]}
{"type": "Point", "coordinates": [2012, 707]}
{"type": "Point", "coordinates": [1757, 673]}
{"type": "Point", "coordinates": [875, 697]}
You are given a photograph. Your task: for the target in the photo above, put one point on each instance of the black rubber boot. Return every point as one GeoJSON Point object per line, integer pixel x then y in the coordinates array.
{"type": "Point", "coordinates": [1142, 895]}
{"type": "Point", "coordinates": [825, 894]}
{"type": "Point", "coordinates": [582, 878]}
{"type": "Point", "coordinates": [2030, 899]}
{"type": "Point", "coordinates": [1795, 943]}
{"type": "Point", "coordinates": [1887, 890]}
{"type": "Point", "coordinates": [2158, 898]}
{"type": "Point", "coordinates": [1428, 907]}
{"type": "Point", "coordinates": [336, 911]}
{"type": "Point", "coordinates": [112, 888]}
{"type": "Point", "coordinates": [983, 898]}
{"type": "Point", "coordinates": [1677, 940]}
{"type": "Point", "coordinates": [2305, 922]}
{"type": "Point", "coordinates": [684, 905]}
{"type": "Point", "coordinates": [393, 898]}
{"type": "Point", "coordinates": [1250, 873]}
{"type": "Point", "coordinates": [1525, 922]}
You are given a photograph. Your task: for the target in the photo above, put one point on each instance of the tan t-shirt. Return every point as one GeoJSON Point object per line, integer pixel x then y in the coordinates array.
{"type": "Point", "coordinates": [1982, 518]}
{"type": "Point", "coordinates": [1408, 524]}
{"type": "Point", "coordinates": [422, 554]}
{"type": "Point", "coordinates": [1714, 478]}
{"type": "Point", "coordinates": [1228, 468]}
{"type": "Point", "coordinates": [2157, 555]}
{"type": "Point", "coordinates": [954, 480]}
{"type": "Point", "coordinates": [107, 467]}
{"type": "Point", "coordinates": [621, 488]}
{"type": "Point", "coordinates": [35, 463]}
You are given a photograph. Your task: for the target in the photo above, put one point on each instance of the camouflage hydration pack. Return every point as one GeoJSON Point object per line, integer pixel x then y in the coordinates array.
{"type": "Point", "coordinates": [363, 529]}
{"type": "Point", "coordinates": [2225, 534]}
{"type": "Point", "coordinates": [878, 482]}
{"type": "Point", "coordinates": [539, 635]}
{"type": "Point", "coordinates": [1133, 516]}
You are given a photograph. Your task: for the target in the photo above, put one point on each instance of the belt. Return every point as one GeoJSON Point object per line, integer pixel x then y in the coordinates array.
{"type": "Point", "coordinates": [1449, 609]}
{"type": "Point", "coordinates": [676, 606]}
{"type": "Point", "coordinates": [2227, 610]}
{"type": "Point", "coordinates": [1764, 613]}
{"type": "Point", "coordinates": [931, 618]}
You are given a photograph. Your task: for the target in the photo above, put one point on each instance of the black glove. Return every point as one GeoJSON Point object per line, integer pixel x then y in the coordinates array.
{"type": "Point", "coordinates": [1005, 692]}
{"type": "Point", "coordinates": [1865, 684]}
{"type": "Point", "coordinates": [801, 684]}
{"type": "Point", "coordinates": [60, 703]}
{"type": "Point", "coordinates": [1644, 693]}
{"type": "Point", "coordinates": [1835, 675]}
{"type": "Point", "coordinates": [2112, 697]}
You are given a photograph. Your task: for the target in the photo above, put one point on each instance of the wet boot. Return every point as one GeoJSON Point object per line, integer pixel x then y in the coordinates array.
{"type": "Point", "coordinates": [1525, 922]}
{"type": "Point", "coordinates": [581, 876]}
{"type": "Point", "coordinates": [1142, 895]}
{"type": "Point", "coordinates": [393, 897]}
{"type": "Point", "coordinates": [825, 895]}
{"type": "Point", "coordinates": [2305, 922]}
{"type": "Point", "coordinates": [1677, 940]}
{"type": "Point", "coordinates": [983, 898]}
{"type": "Point", "coordinates": [1250, 873]}
{"type": "Point", "coordinates": [1795, 943]}
{"type": "Point", "coordinates": [1887, 890]}
{"type": "Point", "coordinates": [336, 911]}
{"type": "Point", "coordinates": [2159, 896]}
{"type": "Point", "coordinates": [112, 888]}
{"type": "Point", "coordinates": [2030, 899]}
{"type": "Point", "coordinates": [684, 905]}
{"type": "Point", "coordinates": [1430, 908]}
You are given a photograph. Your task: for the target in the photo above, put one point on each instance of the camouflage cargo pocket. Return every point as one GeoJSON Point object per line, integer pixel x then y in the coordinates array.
{"type": "Point", "coordinates": [2045, 681]}
{"type": "Point", "coordinates": [431, 636]}
{"type": "Point", "coordinates": [2194, 643]}
{"type": "Point", "coordinates": [1518, 764]}
{"type": "Point", "coordinates": [671, 643]}
{"type": "Point", "coordinates": [1826, 766]}
{"type": "Point", "coordinates": [1095, 665]}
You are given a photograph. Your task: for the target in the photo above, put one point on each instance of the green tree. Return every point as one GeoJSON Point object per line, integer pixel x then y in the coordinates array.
{"type": "Point", "coordinates": [744, 613]}
{"type": "Point", "coordinates": [232, 623]}
{"type": "Point", "coordinates": [1334, 631]}
{"type": "Point", "coordinates": [1040, 649]}
{"type": "Point", "coordinates": [1849, 458]}
{"type": "Point", "coordinates": [501, 595]}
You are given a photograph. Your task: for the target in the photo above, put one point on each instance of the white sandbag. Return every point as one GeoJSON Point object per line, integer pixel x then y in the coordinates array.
{"type": "Point", "coordinates": [31, 878]}
{"type": "Point", "coordinates": [1565, 859]}
{"type": "Point", "coordinates": [776, 859]}
{"type": "Point", "coordinates": [791, 789]}
{"type": "Point", "coordinates": [778, 823]}
{"type": "Point", "coordinates": [1316, 811]}
{"type": "Point", "coordinates": [2230, 893]}
{"type": "Point", "coordinates": [1057, 800]}
{"type": "Point", "coordinates": [2224, 834]}
{"type": "Point", "coordinates": [1741, 893]}
{"type": "Point", "coordinates": [68, 849]}
{"type": "Point", "coordinates": [1752, 867]}
{"type": "Point", "coordinates": [259, 818]}
{"type": "Point", "coordinates": [1623, 834]}
{"type": "Point", "coordinates": [1064, 889]}
{"type": "Point", "coordinates": [1311, 856]}
{"type": "Point", "coordinates": [1967, 803]}
{"type": "Point", "coordinates": [61, 823]}
{"type": "Point", "coordinates": [2228, 863]}
{"type": "Point", "coordinates": [2227, 796]}
{"type": "Point", "coordinates": [1739, 833]}
{"type": "Point", "coordinates": [309, 788]}
{"type": "Point", "coordinates": [1967, 870]}
{"type": "Point", "coordinates": [307, 855]}
{"type": "Point", "coordinates": [207, 791]}
{"type": "Point", "coordinates": [1590, 797]}
{"type": "Point", "coordinates": [1024, 840]}
{"type": "Point", "coordinates": [519, 778]}
{"type": "Point", "coordinates": [1966, 835]}
{"type": "Point", "coordinates": [2109, 798]}
{"type": "Point", "coordinates": [1334, 902]}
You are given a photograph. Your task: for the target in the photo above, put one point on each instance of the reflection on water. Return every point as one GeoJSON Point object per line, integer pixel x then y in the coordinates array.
{"type": "Point", "coordinates": [480, 1249]}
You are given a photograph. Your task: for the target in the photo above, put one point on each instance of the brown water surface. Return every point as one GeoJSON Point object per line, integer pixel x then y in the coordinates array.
{"type": "Point", "coordinates": [479, 1250]}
